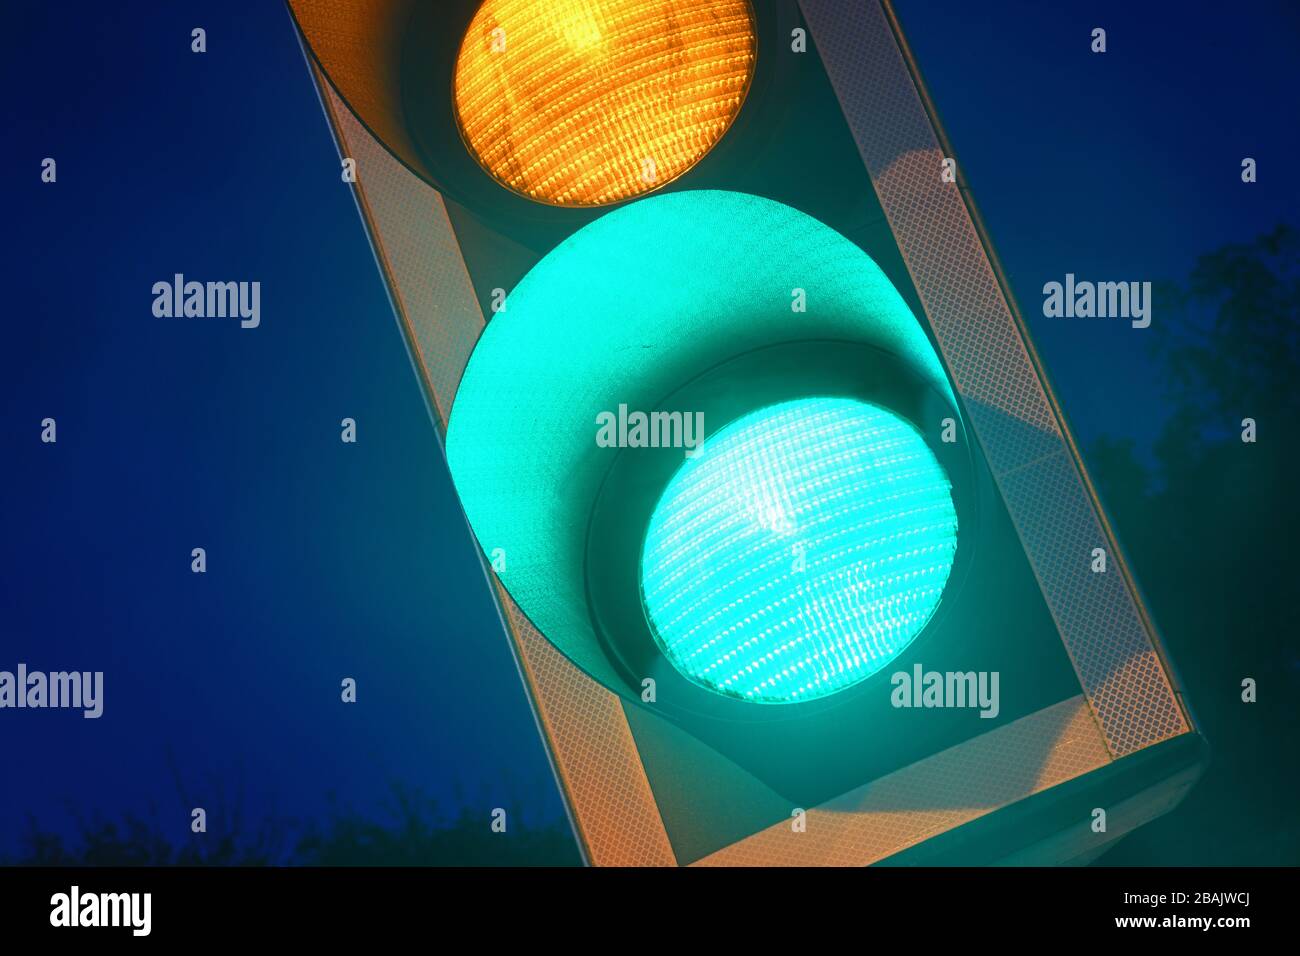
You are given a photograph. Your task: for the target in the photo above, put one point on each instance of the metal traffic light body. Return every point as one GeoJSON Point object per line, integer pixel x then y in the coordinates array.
{"type": "Point", "coordinates": [827, 180]}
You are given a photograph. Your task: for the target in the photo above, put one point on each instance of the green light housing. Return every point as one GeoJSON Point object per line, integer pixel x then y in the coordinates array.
{"type": "Point", "coordinates": [685, 302]}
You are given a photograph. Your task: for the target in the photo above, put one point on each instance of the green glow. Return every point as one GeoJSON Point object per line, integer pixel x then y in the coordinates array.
{"type": "Point", "coordinates": [629, 309]}
{"type": "Point", "coordinates": [802, 551]}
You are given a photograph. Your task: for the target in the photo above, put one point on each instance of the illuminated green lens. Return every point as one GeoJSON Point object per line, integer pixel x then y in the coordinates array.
{"type": "Point", "coordinates": [803, 549]}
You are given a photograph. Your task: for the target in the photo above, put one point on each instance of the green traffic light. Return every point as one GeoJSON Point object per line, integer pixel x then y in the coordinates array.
{"type": "Point", "coordinates": [628, 311]}
{"type": "Point", "coordinates": [800, 552]}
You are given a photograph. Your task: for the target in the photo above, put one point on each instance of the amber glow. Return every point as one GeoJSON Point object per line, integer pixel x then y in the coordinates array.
{"type": "Point", "coordinates": [587, 102]}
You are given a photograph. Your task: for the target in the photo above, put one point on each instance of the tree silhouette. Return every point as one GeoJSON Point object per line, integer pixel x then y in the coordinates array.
{"type": "Point", "coordinates": [1210, 530]}
{"type": "Point", "coordinates": [413, 831]}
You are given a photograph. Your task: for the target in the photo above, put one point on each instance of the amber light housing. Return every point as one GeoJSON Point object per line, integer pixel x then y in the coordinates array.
{"type": "Point", "coordinates": [589, 102]}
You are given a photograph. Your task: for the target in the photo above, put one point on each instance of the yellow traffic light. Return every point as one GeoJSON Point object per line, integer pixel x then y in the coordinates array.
{"type": "Point", "coordinates": [588, 102]}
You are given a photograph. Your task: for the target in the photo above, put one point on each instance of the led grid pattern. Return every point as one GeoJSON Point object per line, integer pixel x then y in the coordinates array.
{"type": "Point", "coordinates": [803, 550]}
{"type": "Point", "coordinates": [587, 102]}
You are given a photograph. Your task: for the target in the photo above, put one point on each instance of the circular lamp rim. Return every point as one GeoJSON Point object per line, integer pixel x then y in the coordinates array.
{"type": "Point", "coordinates": [636, 479]}
{"type": "Point", "coordinates": [731, 124]}
{"type": "Point", "coordinates": [449, 166]}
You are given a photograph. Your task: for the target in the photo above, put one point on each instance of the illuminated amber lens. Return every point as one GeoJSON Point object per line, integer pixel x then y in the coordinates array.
{"type": "Point", "coordinates": [586, 102]}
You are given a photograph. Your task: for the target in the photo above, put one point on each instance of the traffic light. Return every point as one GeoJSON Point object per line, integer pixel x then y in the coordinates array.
{"type": "Point", "coordinates": [793, 544]}
{"type": "Point", "coordinates": [725, 580]}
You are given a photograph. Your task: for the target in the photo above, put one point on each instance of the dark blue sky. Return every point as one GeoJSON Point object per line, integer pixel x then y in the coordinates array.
{"type": "Point", "coordinates": [1117, 166]}
{"type": "Point", "coordinates": [325, 560]}
{"type": "Point", "coordinates": [328, 560]}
